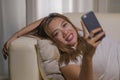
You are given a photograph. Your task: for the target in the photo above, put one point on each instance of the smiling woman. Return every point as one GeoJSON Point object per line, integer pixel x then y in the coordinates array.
{"type": "Point", "coordinates": [74, 63]}
{"type": "Point", "coordinates": [15, 15]}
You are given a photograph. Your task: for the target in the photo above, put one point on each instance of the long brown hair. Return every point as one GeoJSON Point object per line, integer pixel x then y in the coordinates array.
{"type": "Point", "coordinates": [66, 52]}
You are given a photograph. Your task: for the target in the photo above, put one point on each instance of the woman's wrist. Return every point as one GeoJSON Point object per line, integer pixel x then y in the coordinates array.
{"type": "Point", "coordinates": [87, 57]}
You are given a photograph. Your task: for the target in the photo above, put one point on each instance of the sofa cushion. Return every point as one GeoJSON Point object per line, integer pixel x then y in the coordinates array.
{"type": "Point", "coordinates": [49, 55]}
{"type": "Point", "coordinates": [48, 51]}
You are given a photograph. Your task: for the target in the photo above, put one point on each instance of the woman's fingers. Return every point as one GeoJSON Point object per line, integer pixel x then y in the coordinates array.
{"type": "Point", "coordinates": [96, 44]}
{"type": "Point", "coordinates": [97, 37]}
{"type": "Point", "coordinates": [5, 50]}
{"type": "Point", "coordinates": [92, 38]}
{"type": "Point", "coordinates": [95, 40]}
{"type": "Point", "coordinates": [94, 31]}
{"type": "Point", "coordinates": [5, 55]}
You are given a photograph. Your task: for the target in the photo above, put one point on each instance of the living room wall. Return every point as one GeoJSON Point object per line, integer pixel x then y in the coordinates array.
{"type": "Point", "coordinates": [105, 6]}
{"type": "Point", "coordinates": [1, 35]}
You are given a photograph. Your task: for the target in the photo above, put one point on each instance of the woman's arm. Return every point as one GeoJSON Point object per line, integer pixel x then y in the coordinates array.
{"type": "Point", "coordinates": [19, 33]}
{"type": "Point", "coordinates": [92, 42]}
{"type": "Point", "coordinates": [86, 72]}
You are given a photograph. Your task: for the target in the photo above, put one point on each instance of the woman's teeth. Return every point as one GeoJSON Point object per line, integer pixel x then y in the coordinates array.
{"type": "Point", "coordinates": [70, 37]}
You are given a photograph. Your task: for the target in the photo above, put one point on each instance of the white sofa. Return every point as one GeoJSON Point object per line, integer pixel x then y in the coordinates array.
{"type": "Point", "coordinates": [22, 53]}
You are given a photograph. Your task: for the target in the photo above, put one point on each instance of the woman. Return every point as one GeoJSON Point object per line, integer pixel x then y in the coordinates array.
{"type": "Point", "coordinates": [79, 59]}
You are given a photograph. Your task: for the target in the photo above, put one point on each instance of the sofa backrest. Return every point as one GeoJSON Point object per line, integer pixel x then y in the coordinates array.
{"type": "Point", "coordinates": [109, 21]}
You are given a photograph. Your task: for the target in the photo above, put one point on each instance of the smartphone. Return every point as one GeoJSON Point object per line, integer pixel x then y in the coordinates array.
{"type": "Point", "coordinates": [91, 22]}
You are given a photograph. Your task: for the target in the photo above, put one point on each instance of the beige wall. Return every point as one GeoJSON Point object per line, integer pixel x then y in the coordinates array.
{"type": "Point", "coordinates": [112, 6]}
{"type": "Point", "coordinates": [14, 16]}
{"type": "Point", "coordinates": [1, 32]}
{"type": "Point", "coordinates": [31, 11]}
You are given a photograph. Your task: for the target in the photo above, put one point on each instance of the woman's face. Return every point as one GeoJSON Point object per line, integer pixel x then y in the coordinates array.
{"type": "Point", "coordinates": [63, 31]}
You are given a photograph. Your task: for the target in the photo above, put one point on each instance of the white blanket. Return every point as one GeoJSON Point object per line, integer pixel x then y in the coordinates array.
{"type": "Point", "coordinates": [106, 61]}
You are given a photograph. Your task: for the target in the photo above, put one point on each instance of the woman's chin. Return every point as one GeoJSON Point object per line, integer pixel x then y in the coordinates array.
{"type": "Point", "coordinates": [72, 44]}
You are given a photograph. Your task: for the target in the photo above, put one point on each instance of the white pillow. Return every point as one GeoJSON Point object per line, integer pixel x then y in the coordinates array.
{"type": "Point", "coordinates": [50, 55]}
{"type": "Point", "coordinates": [48, 50]}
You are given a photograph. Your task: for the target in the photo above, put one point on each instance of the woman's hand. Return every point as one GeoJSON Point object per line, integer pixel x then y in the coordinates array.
{"type": "Point", "coordinates": [92, 40]}
{"type": "Point", "coordinates": [6, 46]}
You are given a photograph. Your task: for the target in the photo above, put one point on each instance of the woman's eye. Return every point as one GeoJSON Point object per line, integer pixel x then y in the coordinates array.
{"type": "Point", "coordinates": [55, 34]}
{"type": "Point", "coordinates": [64, 25]}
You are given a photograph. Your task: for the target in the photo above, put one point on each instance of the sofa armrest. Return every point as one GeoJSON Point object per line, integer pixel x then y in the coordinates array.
{"type": "Point", "coordinates": [23, 59]}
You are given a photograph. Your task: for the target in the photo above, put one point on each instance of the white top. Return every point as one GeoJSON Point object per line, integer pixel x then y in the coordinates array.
{"type": "Point", "coordinates": [106, 60]}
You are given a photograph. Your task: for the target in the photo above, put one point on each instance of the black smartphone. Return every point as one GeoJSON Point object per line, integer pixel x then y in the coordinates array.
{"type": "Point", "coordinates": [91, 22]}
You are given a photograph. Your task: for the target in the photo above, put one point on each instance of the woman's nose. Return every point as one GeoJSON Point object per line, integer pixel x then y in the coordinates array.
{"type": "Point", "coordinates": [65, 32]}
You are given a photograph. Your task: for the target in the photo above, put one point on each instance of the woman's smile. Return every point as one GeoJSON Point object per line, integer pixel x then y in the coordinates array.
{"type": "Point", "coordinates": [69, 37]}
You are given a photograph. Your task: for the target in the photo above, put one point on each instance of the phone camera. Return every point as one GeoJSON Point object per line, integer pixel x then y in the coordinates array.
{"type": "Point", "coordinates": [85, 16]}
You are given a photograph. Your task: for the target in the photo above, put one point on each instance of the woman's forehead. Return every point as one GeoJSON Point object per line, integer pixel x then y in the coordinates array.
{"type": "Point", "coordinates": [57, 19]}
{"type": "Point", "coordinates": [56, 22]}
